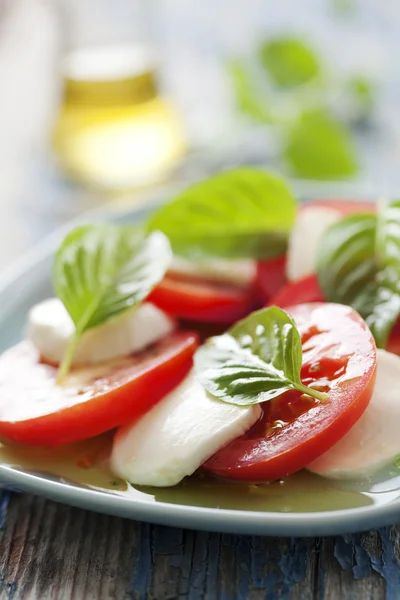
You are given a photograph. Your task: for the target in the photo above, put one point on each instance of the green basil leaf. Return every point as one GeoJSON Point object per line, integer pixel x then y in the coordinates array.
{"type": "Point", "coordinates": [289, 61]}
{"type": "Point", "coordinates": [100, 271]}
{"type": "Point", "coordinates": [320, 147]}
{"type": "Point", "coordinates": [248, 98]}
{"type": "Point", "coordinates": [359, 264]}
{"type": "Point", "coordinates": [258, 359]}
{"type": "Point", "coordinates": [241, 213]}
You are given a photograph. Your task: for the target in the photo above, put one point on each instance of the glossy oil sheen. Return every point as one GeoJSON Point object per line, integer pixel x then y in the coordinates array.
{"type": "Point", "coordinates": [86, 464]}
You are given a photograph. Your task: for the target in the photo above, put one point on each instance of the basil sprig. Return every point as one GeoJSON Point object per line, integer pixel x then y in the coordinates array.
{"type": "Point", "coordinates": [258, 359]}
{"type": "Point", "coordinates": [308, 108]}
{"type": "Point", "coordinates": [359, 264]}
{"type": "Point", "coordinates": [242, 213]}
{"type": "Point", "coordinates": [100, 271]}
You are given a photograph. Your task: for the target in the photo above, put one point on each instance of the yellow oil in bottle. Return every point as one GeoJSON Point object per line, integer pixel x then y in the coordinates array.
{"type": "Point", "coordinates": [114, 130]}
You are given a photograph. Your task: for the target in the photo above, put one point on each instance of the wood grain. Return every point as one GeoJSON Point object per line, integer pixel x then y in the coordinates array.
{"type": "Point", "coordinates": [51, 551]}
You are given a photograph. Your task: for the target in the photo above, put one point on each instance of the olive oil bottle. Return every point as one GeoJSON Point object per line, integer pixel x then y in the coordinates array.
{"type": "Point", "coordinates": [114, 131]}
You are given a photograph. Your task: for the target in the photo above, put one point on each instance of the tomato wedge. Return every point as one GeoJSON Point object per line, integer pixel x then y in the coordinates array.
{"type": "Point", "coordinates": [34, 410]}
{"type": "Point", "coordinates": [271, 276]}
{"type": "Point", "coordinates": [301, 291]}
{"type": "Point", "coordinates": [202, 301]}
{"type": "Point", "coordinates": [339, 356]}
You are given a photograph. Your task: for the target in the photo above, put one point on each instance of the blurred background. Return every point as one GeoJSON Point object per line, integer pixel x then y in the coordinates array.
{"type": "Point", "coordinates": [104, 101]}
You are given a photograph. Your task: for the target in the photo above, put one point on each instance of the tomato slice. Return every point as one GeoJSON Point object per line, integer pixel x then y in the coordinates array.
{"type": "Point", "coordinates": [93, 399]}
{"type": "Point", "coordinates": [346, 207]}
{"type": "Point", "coordinates": [202, 301]}
{"type": "Point", "coordinates": [339, 356]}
{"type": "Point", "coordinates": [271, 276]}
{"type": "Point", "coordinates": [301, 291]}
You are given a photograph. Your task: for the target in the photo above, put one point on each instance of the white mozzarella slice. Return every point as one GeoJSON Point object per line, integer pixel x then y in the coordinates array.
{"type": "Point", "coordinates": [176, 436]}
{"type": "Point", "coordinates": [50, 329]}
{"type": "Point", "coordinates": [237, 272]}
{"type": "Point", "coordinates": [374, 441]}
{"type": "Point", "coordinates": [310, 225]}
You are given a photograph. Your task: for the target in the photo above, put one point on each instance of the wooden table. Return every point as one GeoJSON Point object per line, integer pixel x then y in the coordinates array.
{"type": "Point", "coordinates": [50, 551]}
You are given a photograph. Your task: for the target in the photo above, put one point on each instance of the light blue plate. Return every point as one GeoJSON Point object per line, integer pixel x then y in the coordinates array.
{"type": "Point", "coordinates": [306, 505]}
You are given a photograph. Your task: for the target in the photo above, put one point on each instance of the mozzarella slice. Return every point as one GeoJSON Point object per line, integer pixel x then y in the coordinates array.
{"type": "Point", "coordinates": [237, 272]}
{"type": "Point", "coordinates": [176, 436]}
{"type": "Point", "coordinates": [311, 224]}
{"type": "Point", "coordinates": [50, 328]}
{"type": "Point", "coordinates": [374, 441]}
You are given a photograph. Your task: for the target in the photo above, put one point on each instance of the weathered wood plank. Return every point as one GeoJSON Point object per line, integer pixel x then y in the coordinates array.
{"type": "Point", "coordinates": [50, 551]}
{"type": "Point", "coordinates": [340, 579]}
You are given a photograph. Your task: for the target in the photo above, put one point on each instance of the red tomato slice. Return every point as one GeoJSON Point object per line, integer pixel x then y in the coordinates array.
{"type": "Point", "coordinates": [202, 301]}
{"type": "Point", "coordinates": [346, 207]}
{"type": "Point", "coordinates": [33, 410]}
{"type": "Point", "coordinates": [393, 344]}
{"type": "Point", "coordinates": [301, 291]}
{"type": "Point", "coordinates": [271, 276]}
{"type": "Point", "coordinates": [339, 356]}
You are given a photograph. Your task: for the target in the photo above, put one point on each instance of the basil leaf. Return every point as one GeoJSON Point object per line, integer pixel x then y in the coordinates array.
{"type": "Point", "coordinates": [100, 271]}
{"type": "Point", "coordinates": [359, 264]}
{"type": "Point", "coordinates": [320, 147]}
{"type": "Point", "coordinates": [248, 98]}
{"type": "Point", "coordinates": [257, 360]}
{"type": "Point", "coordinates": [237, 214]}
{"type": "Point", "coordinates": [289, 61]}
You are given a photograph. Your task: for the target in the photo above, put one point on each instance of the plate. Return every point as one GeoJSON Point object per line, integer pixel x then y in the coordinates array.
{"type": "Point", "coordinates": [304, 504]}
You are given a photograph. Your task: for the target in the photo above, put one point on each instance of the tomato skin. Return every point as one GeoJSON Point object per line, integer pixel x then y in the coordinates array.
{"type": "Point", "coordinates": [202, 301]}
{"type": "Point", "coordinates": [346, 206]}
{"type": "Point", "coordinates": [302, 291]}
{"type": "Point", "coordinates": [337, 341]}
{"type": "Point", "coordinates": [124, 392]}
{"type": "Point", "coordinates": [271, 276]}
{"type": "Point", "coordinates": [393, 344]}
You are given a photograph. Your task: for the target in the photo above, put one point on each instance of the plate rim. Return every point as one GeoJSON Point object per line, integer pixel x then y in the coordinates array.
{"type": "Point", "coordinates": [222, 520]}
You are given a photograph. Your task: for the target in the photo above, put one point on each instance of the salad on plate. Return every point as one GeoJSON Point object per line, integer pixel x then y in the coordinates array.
{"type": "Point", "coordinates": [236, 333]}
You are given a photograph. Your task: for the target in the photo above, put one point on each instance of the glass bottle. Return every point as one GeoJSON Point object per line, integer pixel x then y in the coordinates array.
{"type": "Point", "coordinates": [115, 131]}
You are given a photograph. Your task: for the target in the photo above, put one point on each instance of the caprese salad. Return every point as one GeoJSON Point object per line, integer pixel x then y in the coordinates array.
{"type": "Point", "coordinates": [303, 374]}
